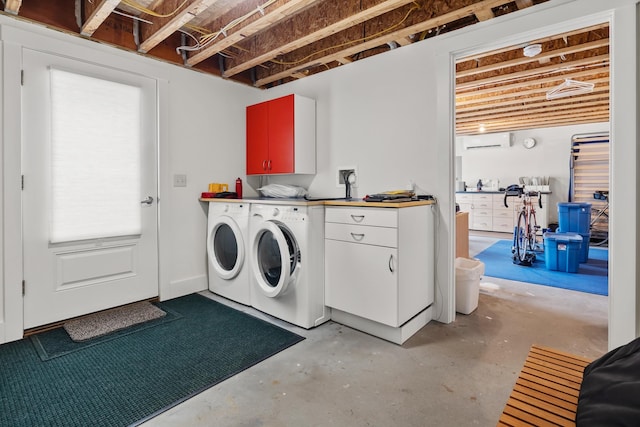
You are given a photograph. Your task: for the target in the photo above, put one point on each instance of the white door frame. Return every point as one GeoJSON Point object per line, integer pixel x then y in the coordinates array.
{"type": "Point", "coordinates": [554, 18]}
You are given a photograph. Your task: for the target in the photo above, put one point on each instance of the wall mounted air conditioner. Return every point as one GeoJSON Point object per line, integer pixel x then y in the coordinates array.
{"type": "Point", "coordinates": [502, 139]}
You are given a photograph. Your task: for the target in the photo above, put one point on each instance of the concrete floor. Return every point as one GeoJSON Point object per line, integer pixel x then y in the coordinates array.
{"type": "Point", "coordinates": [445, 375]}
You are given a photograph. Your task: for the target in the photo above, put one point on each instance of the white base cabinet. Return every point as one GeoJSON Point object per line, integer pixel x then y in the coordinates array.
{"type": "Point", "coordinates": [488, 213]}
{"type": "Point", "coordinates": [379, 264]}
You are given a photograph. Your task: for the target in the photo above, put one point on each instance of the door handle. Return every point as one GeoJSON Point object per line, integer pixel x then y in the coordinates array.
{"type": "Point", "coordinates": [269, 165]}
{"type": "Point", "coordinates": [391, 268]}
{"type": "Point", "coordinates": [147, 201]}
{"type": "Point", "coordinates": [264, 165]}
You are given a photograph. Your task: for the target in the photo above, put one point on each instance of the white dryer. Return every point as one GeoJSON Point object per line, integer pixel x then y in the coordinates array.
{"type": "Point", "coordinates": [287, 262]}
{"type": "Point", "coordinates": [227, 246]}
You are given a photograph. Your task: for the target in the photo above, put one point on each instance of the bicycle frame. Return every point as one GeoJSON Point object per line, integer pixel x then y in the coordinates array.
{"type": "Point", "coordinates": [526, 229]}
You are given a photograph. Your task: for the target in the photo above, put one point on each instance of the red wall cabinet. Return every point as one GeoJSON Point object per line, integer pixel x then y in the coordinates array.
{"type": "Point", "coordinates": [281, 136]}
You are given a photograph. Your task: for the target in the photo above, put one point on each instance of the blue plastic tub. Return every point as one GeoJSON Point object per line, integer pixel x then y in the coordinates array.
{"type": "Point", "coordinates": [584, 247]}
{"type": "Point", "coordinates": [562, 251]}
{"type": "Point", "coordinates": [574, 217]}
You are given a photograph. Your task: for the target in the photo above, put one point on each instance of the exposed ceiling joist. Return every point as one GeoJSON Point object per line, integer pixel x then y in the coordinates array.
{"type": "Point", "coordinates": [280, 10]}
{"type": "Point", "coordinates": [522, 4]}
{"type": "Point", "coordinates": [12, 6]}
{"type": "Point", "coordinates": [305, 28]}
{"type": "Point", "coordinates": [525, 60]}
{"type": "Point", "coordinates": [163, 27]}
{"type": "Point", "coordinates": [338, 52]}
{"type": "Point", "coordinates": [99, 13]}
{"type": "Point", "coordinates": [484, 14]}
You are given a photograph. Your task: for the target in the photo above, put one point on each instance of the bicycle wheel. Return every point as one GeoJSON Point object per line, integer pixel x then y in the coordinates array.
{"type": "Point", "coordinates": [521, 236]}
{"type": "Point", "coordinates": [531, 232]}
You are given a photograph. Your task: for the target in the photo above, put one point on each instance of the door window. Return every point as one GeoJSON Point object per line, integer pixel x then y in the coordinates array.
{"type": "Point", "coordinates": [95, 157]}
{"type": "Point", "coordinates": [225, 247]}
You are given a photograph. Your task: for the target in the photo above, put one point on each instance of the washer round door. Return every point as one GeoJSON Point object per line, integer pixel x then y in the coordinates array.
{"type": "Point", "coordinates": [275, 255]}
{"type": "Point", "coordinates": [225, 248]}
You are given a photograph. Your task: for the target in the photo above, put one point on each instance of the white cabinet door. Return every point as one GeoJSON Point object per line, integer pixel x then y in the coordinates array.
{"type": "Point", "coordinates": [362, 280]}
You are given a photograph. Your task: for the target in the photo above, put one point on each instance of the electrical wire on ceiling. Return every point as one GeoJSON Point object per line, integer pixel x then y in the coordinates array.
{"type": "Point", "coordinates": [141, 8]}
{"type": "Point", "coordinates": [209, 37]}
{"type": "Point", "coordinates": [415, 7]}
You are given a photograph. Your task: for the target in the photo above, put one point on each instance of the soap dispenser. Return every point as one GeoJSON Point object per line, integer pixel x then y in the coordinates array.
{"type": "Point", "coordinates": [479, 185]}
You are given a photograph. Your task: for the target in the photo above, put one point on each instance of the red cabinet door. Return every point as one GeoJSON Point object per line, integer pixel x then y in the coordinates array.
{"type": "Point", "coordinates": [257, 138]}
{"type": "Point", "coordinates": [281, 134]}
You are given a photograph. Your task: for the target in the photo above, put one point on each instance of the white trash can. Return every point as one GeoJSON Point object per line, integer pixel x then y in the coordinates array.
{"type": "Point", "coordinates": [468, 273]}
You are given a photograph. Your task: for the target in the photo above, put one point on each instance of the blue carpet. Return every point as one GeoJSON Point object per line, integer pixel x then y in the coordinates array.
{"type": "Point", "coordinates": [591, 276]}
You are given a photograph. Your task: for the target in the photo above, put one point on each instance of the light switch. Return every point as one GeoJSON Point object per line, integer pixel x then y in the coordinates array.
{"type": "Point", "coordinates": [179, 180]}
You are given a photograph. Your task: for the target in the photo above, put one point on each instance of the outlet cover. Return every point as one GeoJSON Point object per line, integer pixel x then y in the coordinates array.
{"type": "Point", "coordinates": [340, 176]}
{"type": "Point", "coordinates": [179, 180]}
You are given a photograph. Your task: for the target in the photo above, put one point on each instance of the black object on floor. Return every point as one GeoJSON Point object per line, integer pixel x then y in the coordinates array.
{"type": "Point", "coordinates": [135, 376]}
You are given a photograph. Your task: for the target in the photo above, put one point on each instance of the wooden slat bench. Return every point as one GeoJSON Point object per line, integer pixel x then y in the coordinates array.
{"type": "Point", "coordinates": [546, 391]}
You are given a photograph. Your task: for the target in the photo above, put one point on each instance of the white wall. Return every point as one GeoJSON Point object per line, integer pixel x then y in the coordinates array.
{"type": "Point", "coordinates": [392, 116]}
{"type": "Point", "coordinates": [202, 127]}
{"type": "Point", "coordinates": [550, 157]}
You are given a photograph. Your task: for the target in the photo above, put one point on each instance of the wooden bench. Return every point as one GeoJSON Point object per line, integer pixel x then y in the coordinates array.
{"type": "Point", "coordinates": [546, 391]}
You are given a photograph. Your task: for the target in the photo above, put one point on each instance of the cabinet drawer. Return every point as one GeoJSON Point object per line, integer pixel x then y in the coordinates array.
{"type": "Point", "coordinates": [483, 205]}
{"type": "Point", "coordinates": [380, 217]}
{"type": "Point", "coordinates": [482, 212]}
{"type": "Point", "coordinates": [482, 223]}
{"type": "Point", "coordinates": [368, 235]}
{"type": "Point", "coordinates": [503, 213]}
{"type": "Point", "coordinates": [464, 198]}
{"type": "Point", "coordinates": [483, 198]}
{"type": "Point", "coordinates": [503, 226]}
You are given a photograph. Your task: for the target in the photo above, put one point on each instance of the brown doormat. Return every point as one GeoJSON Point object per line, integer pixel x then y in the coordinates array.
{"type": "Point", "coordinates": [104, 322]}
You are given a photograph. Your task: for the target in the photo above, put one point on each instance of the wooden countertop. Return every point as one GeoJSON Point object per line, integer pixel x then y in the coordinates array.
{"type": "Point", "coordinates": [350, 203]}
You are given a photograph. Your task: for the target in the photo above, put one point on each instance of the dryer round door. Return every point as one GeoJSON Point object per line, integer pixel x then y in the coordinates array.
{"type": "Point", "coordinates": [225, 248]}
{"type": "Point", "coordinates": [275, 255]}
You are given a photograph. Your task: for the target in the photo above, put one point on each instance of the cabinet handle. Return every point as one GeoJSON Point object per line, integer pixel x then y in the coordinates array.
{"type": "Point", "coordinates": [357, 218]}
{"type": "Point", "coordinates": [269, 165]}
{"type": "Point", "coordinates": [264, 165]}
{"type": "Point", "coordinates": [391, 269]}
{"type": "Point", "coordinates": [357, 236]}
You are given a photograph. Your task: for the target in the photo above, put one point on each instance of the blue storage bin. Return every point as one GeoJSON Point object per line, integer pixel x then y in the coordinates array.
{"type": "Point", "coordinates": [574, 217]}
{"type": "Point", "coordinates": [584, 247]}
{"type": "Point", "coordinates": [562, 251]}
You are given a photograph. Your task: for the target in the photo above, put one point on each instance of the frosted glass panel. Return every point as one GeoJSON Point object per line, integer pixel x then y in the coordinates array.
{"type": "Point", "coordinates": [95, 158]}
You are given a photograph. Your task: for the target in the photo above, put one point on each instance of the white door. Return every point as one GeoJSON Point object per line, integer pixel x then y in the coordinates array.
{"type": "Point", "coordinates": [90, 186]}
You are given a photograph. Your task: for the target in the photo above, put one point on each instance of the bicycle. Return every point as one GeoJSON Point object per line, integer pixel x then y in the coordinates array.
{"type": "Point", "coordinates": [599, 225]}
{"type": "Point", "coordinates": [526, 230]}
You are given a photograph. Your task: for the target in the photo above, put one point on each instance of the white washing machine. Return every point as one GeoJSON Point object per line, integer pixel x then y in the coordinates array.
{"type": "Point", "coordinates": [287, 262]}
{"type": "Point", "coordinates": [227, 250]}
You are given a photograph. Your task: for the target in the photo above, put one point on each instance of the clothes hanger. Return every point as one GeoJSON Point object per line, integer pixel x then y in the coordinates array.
{"type": "Point", "coordinates": [569, 88]}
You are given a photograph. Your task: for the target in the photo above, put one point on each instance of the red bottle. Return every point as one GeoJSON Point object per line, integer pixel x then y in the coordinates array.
{"type": "Point", "coordinates": [239, 188]}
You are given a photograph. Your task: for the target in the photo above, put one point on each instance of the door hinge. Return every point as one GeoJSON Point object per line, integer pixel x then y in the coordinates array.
{"type": "Point", "coordinates": [21, 77]}
{"type": "Point", "coordinates": [23, 287]}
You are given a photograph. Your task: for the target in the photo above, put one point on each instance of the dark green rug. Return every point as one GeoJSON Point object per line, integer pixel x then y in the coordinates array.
{"type": "Point", "coordinates": [135, 376]}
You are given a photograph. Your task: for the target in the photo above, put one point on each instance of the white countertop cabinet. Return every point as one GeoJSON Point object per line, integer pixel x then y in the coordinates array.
{"type": "Point", "coordinates": [379, 264]}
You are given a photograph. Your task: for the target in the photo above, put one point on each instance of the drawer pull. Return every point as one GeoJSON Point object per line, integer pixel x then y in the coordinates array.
{"type": "Point", "coordinates": [391, 268]}
{"type": "Point", "coordinates": [357, 236]}
{"type": "Point", "coordinates": [357, 218]}
{"type": "Point", "coordinates": [264, 165]}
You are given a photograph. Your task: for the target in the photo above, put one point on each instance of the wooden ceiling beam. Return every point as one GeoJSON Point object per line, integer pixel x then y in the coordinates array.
{"type": "Point", "coordinates": [484, 14]}
{"type": "Point", "coordinates": [523, 4]}
{"type": "Point", "coordinates": [578, 63]}
{"type": "Point", "coordinates": [97, 15]}
{"type": "Point", "coordinates": [523, 92]}
{"type": "Point", "coordinates": [587, 75]}
{"type": "Point", "coordinates": [273, 14]}
{"type": "Point", "coordinates": [12, 6]}
{"type": "Point", "coordinates": [305, 28]}
{"type": "Point", "coordinates": [404, 41]}
{"type": "Point", "coordinates": [163, 27]}
{"type": "Point", "coordinates": [514, 112]}
{"type": "Point", "coordinates": [526, 60]}
{"type": "Point", "coordinates": [540, 41]}
{"type": "Point", "coordinates": [474, 114]}
{"type": "Point", "coordinates": [531, 124]}
{"type": "Point", "coordinates": [598, 92]}
{"type": "Point", "coordinates": [334, 44]}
